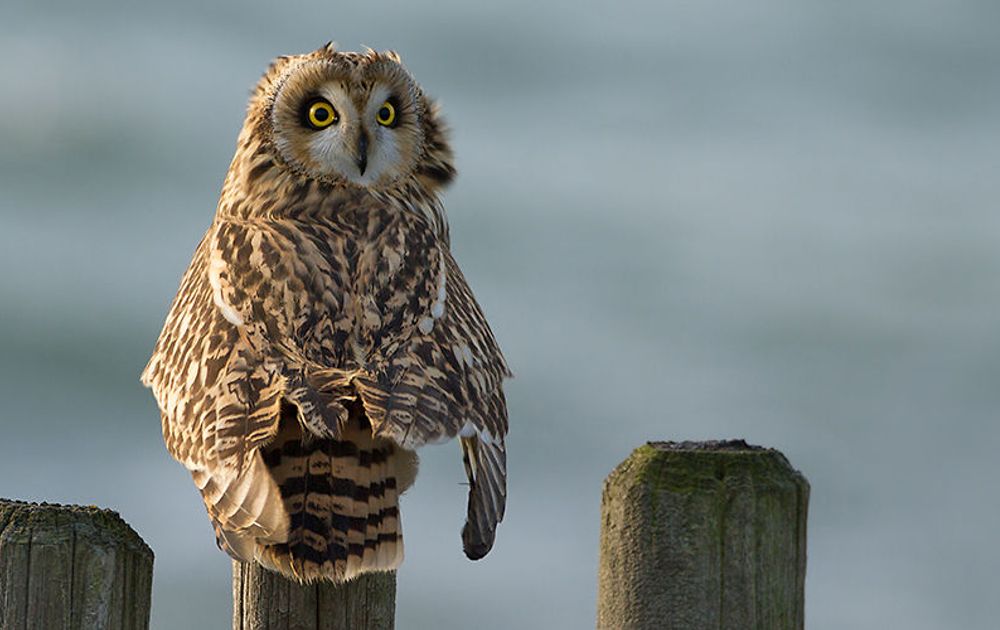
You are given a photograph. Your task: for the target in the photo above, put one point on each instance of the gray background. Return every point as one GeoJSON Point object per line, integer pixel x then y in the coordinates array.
{"type": "Point", "coordinates": [685, 220]}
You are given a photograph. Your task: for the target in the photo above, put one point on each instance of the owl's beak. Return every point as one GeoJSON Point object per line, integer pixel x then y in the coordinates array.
{"type": "Point", "coordinates": [362, 155]}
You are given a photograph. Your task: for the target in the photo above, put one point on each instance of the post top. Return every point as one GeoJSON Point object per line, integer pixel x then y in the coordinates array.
{"type": "Point", "coordinates": [687, 465]}
{"type": "Point", "coordinates": [37, 521]}
{"type": "Point", "coordinates": [707, 446]}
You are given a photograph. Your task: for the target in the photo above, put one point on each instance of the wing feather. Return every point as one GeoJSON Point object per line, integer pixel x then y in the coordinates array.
{"type": "Point", "coordinates": [447, 381]}
{"type": "Point", "coordinates": [272, 311]}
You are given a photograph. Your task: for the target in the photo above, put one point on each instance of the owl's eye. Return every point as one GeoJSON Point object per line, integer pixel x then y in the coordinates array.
{"type": "Point", "coordinates": [386, 114]}
{"type": "Point", "coordinates": [320, 114]}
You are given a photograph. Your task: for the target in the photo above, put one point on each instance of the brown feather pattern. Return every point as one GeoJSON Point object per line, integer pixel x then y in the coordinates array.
{"type": "Point", "coordinates": [321, 333]}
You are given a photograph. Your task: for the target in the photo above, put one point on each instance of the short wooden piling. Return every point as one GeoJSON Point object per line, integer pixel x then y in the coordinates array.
{"type": "Point", "coordinates": [703, 535]}
{"type": "Point", "coordinates": [264, 600]}
{"type": "Point", "coordinates": [71, 568]}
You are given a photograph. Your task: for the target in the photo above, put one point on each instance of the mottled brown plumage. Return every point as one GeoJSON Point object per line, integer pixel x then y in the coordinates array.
{"type": "Point", "coordinates": [323, 330]}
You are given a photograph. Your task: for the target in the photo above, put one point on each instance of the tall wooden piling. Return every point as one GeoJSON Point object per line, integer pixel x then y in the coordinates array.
{"type": "Point", "coordinates": [703, 535]}
{"type": "Point", "coordinates": [71, 568]}
{"type": "Point", "coordinates": [264, 600]}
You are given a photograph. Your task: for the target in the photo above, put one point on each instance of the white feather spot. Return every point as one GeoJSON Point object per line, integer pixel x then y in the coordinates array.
{"type": "Point", "coordinates": [467, 354]}
{"type": "Point", "coordinates": [469, 430]}
{"type": "Point", "coordinates": [426, 325]}
{"type": "Point", "coordinates": [437, 308]}
{"type": "Point", "coordinates": [457, 351]}
{"type": "Point", "coordinates": [214, 279]}
{"type": "Point", "coordinates": [227, 311]}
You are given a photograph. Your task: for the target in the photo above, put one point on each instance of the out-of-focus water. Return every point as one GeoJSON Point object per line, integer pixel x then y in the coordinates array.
{"type": "Point", "coordinates": [770, 220]}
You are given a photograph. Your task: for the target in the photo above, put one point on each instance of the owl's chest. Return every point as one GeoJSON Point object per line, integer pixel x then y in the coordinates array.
{"type": "Point", "coordinates": [347, 293]}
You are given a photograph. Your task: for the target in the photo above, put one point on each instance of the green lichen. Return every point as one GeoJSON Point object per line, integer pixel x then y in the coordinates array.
{"type": "Point", "coordinates": [20, 520]}
{"type": "Point", "coordinates": [717, 528]}
{"type": "Point", "coordinates": [689, 467]}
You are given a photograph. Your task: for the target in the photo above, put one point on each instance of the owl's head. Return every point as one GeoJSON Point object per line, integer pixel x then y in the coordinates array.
{"type": "Point", "coordinates": [354, 118]}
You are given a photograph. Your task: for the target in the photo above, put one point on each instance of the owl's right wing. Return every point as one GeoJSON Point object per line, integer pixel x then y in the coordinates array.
{"type": "Point", "coordinates": [219, 401]}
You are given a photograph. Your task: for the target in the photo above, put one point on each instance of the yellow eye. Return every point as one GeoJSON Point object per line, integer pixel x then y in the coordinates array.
{"type": "Point", "coordinates": [386, 114]}
{"type": "Point", "coordinates": [320, 114]}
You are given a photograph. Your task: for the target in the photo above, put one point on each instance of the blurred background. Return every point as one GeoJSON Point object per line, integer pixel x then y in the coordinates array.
{"type": "Point", "coordinates": [770, 220]}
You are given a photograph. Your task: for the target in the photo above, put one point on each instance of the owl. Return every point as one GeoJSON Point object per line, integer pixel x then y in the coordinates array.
{"type": "Point", "coordinates": [323, 330]}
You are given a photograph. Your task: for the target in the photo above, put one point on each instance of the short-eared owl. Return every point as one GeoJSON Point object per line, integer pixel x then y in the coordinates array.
{"type": "Point", "coordinates": [323, 330]}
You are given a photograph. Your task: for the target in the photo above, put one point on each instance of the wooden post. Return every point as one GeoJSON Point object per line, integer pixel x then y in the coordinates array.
{"type": "Point", "coordinates": [264, 600]}
{"type": "Point", "coordinates": [71, 568]}
{"type": "Point", "coordinates": [703, 535]}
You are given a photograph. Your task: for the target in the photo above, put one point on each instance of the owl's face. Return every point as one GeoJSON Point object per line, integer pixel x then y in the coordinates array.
{"type": "Point", "coordinates": [346, 117]}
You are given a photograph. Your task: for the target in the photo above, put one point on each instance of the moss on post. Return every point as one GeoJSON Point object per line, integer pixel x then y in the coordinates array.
{"type": "Point", "coordinates": [703, 535]}
{"type": "Point", "coordinates": [264, 600]}
{"type": "Point", "coordinates": [71, 568]}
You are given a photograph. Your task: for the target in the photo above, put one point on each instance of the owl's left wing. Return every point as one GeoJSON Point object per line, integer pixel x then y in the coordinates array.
{"type": "Point", "coordinates": [446, 381]}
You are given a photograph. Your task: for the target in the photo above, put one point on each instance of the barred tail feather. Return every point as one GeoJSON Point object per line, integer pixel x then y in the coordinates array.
{"type": "Point", "coordinates": [342, 501]}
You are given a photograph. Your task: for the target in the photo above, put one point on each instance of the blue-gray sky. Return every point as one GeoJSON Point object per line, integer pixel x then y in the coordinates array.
{"type": "Point", "coordinates": [771, 220]}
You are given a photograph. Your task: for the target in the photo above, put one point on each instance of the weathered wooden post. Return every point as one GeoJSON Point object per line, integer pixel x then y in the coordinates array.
{"type": "Point", "coordinates": [71, 568]}
{"type": "Point", "coordinates": [264, 600]}
{"type": "Point", "coordinates": [703, 535]}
